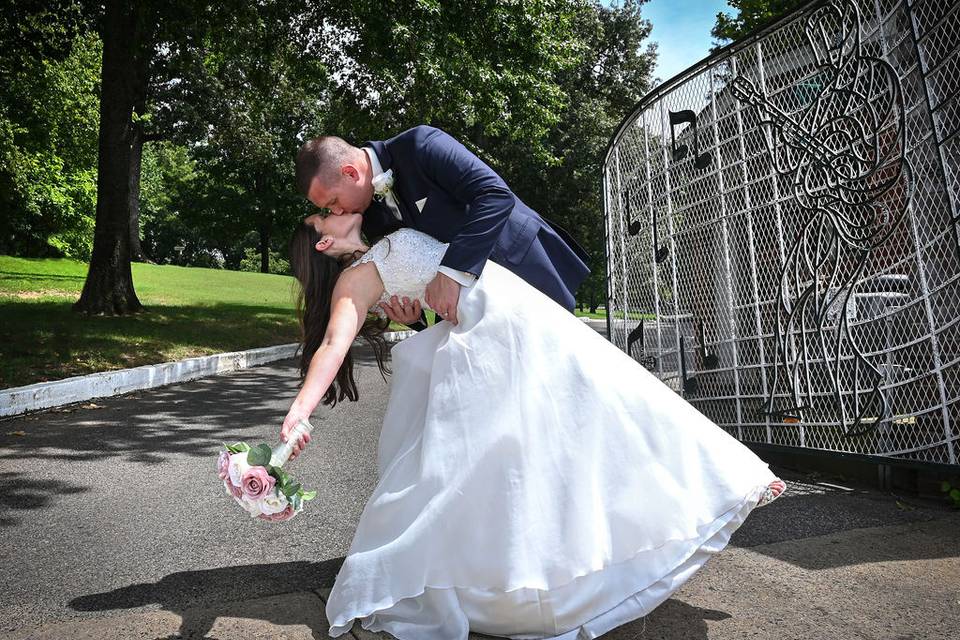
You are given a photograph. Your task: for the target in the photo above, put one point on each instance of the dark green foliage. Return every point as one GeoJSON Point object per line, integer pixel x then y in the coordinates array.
{"type": "Point", "coordinates": [49, 90]}
{"type": "Point", "coordinates": [231, 90]}
{"type": "Point", "coordinates": [750, 14]}
{"type": "Point", "coordinates": [610, 76]}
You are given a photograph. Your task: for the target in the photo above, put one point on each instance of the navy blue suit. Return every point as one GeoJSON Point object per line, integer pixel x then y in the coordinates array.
{"type": "Point", "coordinates": [469, 206]}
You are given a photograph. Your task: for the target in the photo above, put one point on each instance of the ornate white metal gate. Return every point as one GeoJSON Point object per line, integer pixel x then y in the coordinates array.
{"type": "Point", "coordinates": [782, 231]}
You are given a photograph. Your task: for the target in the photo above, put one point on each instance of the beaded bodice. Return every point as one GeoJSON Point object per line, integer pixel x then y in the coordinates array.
{"type": "Point", "coordinates": [407, 260]}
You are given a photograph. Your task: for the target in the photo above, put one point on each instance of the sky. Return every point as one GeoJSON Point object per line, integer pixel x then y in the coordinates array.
{"type": "Point", "coordinates": [682, 30]}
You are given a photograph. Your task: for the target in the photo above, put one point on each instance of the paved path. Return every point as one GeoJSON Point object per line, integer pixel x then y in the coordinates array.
{"type": "Point", "coordinates": [90, 550]}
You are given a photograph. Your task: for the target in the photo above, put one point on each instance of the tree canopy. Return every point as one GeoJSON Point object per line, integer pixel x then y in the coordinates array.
{"type": "Point", "coordinates": [198, 110]}
{"type": "Point", "coordinates": [750, 14]}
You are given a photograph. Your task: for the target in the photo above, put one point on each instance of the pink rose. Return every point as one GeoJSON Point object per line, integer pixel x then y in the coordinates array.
{"type": "Point", "coordinates": [231, 489]}
{"type": "Point", "coordinates": [223, 465]}
{"type": "Point", "coordinates": [256, 482]}
{"type": "Point", "coordinates": [286, 514]}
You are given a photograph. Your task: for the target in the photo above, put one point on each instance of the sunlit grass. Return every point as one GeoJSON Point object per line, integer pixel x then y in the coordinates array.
{"type": "Point", "coordinates": [189, 312]}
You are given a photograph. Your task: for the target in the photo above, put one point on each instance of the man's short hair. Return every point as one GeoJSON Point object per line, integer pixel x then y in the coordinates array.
{"type": "Point", "coordinates": [321, 157]}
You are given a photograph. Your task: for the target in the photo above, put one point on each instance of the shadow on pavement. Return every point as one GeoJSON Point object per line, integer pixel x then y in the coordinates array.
{"type": "Point", "coordinates": [200, 597]}
{"type": "Point", "coordinates": [182, 419]}
{"type": "Point", "coordinates": [149, 427]}
{"type": "Point", "coordinates": [19, 492]}
{"type": "Point", "coordinates": [810, 510]}
{"type": "Point", "coordinates": [674, 619]}
{"type": "Point", "coordinates": [227, 592]}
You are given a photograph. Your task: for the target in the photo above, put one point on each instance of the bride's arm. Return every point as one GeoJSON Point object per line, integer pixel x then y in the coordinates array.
{"type": "Point", "coordinates": [356, 291]}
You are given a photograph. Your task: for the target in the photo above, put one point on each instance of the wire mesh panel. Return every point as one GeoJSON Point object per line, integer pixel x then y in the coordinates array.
{"type": "Point", "coordinates": [782, 231]}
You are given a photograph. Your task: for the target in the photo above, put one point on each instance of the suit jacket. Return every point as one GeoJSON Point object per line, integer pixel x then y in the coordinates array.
{"type": "Point", "coordinates": [449, 193]}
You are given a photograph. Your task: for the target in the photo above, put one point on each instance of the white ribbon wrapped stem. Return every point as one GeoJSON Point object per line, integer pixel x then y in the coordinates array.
{"type": "Point", "coordinates": [281, 452]}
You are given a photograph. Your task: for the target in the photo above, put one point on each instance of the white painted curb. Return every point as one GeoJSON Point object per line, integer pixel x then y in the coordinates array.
{"type": "Point", "coordinates": [44, 395]}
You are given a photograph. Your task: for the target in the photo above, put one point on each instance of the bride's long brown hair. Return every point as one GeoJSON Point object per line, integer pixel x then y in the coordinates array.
{"type": "Point", "coordinates": [317, 274]}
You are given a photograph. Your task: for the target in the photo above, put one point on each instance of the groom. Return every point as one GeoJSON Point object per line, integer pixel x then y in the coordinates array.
{"type": "Point", "coordinates": [425, 179]}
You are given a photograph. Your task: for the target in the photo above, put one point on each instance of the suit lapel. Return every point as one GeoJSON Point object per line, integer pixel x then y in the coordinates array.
{"type": "Point", "coordinates": [399, 184]}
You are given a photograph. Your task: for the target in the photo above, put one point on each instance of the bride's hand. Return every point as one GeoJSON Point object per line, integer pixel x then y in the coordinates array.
{"type": "Point", "coordinates": [289, 423]}
{"type": "Point", "coordinates": [403, 312]}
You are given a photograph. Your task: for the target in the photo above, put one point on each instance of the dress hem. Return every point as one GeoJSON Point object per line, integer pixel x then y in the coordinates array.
{"type": "Point", "coordinates": [338, 629]}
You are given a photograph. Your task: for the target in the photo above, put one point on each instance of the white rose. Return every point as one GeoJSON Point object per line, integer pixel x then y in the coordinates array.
{"type": "Point", "coordinates": [250, 506]}
{"type": "Point", "coordinates": [238, 464]}
{"type": "Point", "coordinates": [273, 503]}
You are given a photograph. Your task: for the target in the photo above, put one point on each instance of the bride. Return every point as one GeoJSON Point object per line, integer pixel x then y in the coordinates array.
{"type": "Point", "coordinates": [534, 480]}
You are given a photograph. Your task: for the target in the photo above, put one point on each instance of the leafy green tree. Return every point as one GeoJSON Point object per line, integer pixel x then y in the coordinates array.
{"type": "Point", "coordinates": [139, 39]}
{"type": "Point", "coordinates": [49, 81]}
{"type": "Point", "coordinates": [169, 192]}
{"type": "Point", "coordinates": [537, 97]}
{"type": "Point", "coordinates": [483, 71]}
{"type": "Point", "coordinates": [267, 88]}
{"type": "Point", "coordinates": [612, 72]}
{"type": "Point", "coordinates": [750, 14]}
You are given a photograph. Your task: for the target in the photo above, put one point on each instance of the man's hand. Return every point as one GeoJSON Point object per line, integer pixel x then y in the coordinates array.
{"type": "Point", "coordinates": [442, 295]}
{"type": "Point", "coordinates": [293, 417]}
{"type": "Point", "coordinates": [402, 311]}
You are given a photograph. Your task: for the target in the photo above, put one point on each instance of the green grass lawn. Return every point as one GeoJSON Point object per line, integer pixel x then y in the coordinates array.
{"type": "Point", "coordinates": [600, 315]}
{"type": "Point", "coordinates": [189, 312]}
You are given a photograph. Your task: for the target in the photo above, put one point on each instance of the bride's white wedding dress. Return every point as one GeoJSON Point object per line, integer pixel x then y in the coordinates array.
{"type": "Point", "coordinates": [534, 480]}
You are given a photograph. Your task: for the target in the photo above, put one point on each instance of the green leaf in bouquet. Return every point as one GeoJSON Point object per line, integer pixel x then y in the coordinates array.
{"type": "Point", "coordinates": [291, 489]}
{"type": "Point", "coordinates": [237, 447]}
{"type": "Point", "coordinates": [308, 495]}
{"type": "Point", "coordinates": [295, 501]}
{"type": "Point", "coordinates": [259, 456]}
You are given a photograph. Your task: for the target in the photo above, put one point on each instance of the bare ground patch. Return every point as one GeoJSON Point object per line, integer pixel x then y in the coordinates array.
{"type": "Point", "coordinates": [36, 295]}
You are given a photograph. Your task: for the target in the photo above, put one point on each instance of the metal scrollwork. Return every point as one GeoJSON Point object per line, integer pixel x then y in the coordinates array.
{"type": "Point", "coordinates": [785, 218]}
{"type": "Point", "coordinates": [844, 152]}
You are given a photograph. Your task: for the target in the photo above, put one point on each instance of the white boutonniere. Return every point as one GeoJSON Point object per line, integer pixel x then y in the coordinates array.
{"type": "Point", "coordinates": [382, 185]}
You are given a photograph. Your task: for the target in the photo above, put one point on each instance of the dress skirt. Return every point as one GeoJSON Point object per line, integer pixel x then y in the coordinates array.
{"type": "Point", "coordinates": [534, 481]}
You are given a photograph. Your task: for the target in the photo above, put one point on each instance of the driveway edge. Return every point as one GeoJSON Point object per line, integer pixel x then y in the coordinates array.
{"type": "Point", "coordinates": [45, 395]}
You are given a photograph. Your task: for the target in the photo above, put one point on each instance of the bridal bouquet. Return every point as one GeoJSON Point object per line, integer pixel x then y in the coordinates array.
{"type": "Point", "coordinates": [256, 480]}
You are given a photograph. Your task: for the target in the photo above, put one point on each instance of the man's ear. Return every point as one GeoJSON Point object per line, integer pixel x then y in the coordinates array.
{"type": "Point", "coordinates": [350, 171]}
{"type": "Point", "coordinates": [325, 243]}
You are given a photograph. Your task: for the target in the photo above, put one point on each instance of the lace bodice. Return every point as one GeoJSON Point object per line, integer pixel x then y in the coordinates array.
{"type": "Point", "coordinates": [407, 260]}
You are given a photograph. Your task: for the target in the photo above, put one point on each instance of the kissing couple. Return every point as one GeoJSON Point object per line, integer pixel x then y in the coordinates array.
{"type": "Point", "coordinates": [534, 481]}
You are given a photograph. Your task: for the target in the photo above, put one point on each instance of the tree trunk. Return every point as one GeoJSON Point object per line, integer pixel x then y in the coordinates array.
{"type": "Point", "coordinates": [266, 224]}
{"type": "Point", "coordinates": [109, 285]}
{"type": "Point", "coordinates": [136, 157]}
{"type": "Point", "coordinates": [265, 245]}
